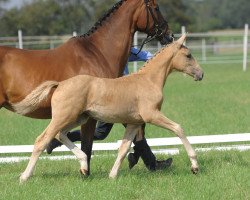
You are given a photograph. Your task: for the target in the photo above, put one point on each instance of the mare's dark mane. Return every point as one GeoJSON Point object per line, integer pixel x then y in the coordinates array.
{"type": "Point", "coordinates": [103, 18]}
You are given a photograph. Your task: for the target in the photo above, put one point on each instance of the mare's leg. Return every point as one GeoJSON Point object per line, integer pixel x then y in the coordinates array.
{"type": "Point", "coordinates": [87, 135]}
{"type": "Point", "coordinates": [159, 119]}
{"type": "Point", "coordinates": [130, 133]}
{"type": "Point", "coordinates": [141, 133]}
{"type": "Point", "coordinates": [2, 99]}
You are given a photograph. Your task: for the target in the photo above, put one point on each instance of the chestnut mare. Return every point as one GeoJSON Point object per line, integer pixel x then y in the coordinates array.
{"type": "Point", "coordinates": [101, 52]}
{"type": "Point", "coordinates": [80, 97]}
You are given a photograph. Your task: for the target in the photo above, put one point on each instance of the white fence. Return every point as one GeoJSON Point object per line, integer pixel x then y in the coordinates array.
{"type": "Point", "coordinates": [155, 142]}
{"type": "Point", "coordinates": [224, 47]}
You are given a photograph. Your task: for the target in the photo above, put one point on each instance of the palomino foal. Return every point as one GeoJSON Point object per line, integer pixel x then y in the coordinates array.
{"type": "Point", "coordinates": [83, 96]}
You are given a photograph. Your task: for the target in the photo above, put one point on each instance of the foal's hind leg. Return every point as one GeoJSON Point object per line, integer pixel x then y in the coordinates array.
{"type": "Point", "coordinates": [82, 157]}
{"type": "Point", "coordinates": [57, 124]}
{"type": "Point", "coordinates": [160, 120]}
{"type": "Point", "coordinates": [130, 133]}
{"type": "Point", "coordinates": [40, 144]}
{"type": "Point", "coordinates": [62, 136]}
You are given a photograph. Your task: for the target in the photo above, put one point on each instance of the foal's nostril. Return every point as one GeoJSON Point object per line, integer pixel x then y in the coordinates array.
{"type": "Point", "coordinates": [199, 76]}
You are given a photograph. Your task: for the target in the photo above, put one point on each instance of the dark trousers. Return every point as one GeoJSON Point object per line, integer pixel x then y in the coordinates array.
{"type": "Point", "coordinates": [141, 148]}
{"type": "Point", "coordinates": [101, 132]}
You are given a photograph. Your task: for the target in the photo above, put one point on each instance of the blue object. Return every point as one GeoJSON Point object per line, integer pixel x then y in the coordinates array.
{"type": "Point", "coordinates": [142, 56]}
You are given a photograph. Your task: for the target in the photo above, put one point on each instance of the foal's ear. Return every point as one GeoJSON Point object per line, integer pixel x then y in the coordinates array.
{"type": "Point", "coordinates": [182, 39]}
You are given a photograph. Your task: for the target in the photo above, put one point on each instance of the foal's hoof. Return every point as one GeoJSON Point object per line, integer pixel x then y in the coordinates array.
{"type": "Point", "coordinates": [22, 179]}
{"type": "Point", "coordinates": [195, 170]}
{"type": "Point", "coordinates": [84, 173]}
{"type": "Point", "coordinates": [112, 175]}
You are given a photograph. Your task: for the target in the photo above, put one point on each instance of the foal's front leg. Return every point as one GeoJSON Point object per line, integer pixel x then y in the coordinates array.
{"type": "Point", "coordinates": [160, 120]}
{"type": "Point", "coordinates": [130, 133]}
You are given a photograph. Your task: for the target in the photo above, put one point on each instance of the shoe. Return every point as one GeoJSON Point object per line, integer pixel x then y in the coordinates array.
{"type": "Point", "coordinates": [132, 161]}
{"type": "Point", "coordinates": [159, 165]}
{"type": "Point", "coordinates": [52, 145]}
{"type": "Point", "coordinates": [163, 164]}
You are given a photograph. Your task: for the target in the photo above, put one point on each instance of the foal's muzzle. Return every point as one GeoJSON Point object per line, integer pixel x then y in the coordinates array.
{"type": "Point", "coordinates": [198, 76]}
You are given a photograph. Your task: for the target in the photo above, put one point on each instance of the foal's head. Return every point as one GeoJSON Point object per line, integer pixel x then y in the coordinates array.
{"type": "Point", "coordinates": [152, 22]}
{"type": "Point", "coordinates": [183, 61]}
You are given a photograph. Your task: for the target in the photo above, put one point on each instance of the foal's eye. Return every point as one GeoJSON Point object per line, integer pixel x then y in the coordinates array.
{"type": "Point", "coordinates": [189, 55]}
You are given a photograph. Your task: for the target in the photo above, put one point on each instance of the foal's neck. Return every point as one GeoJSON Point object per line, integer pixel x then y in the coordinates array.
{"type": "Point", "coordinates": [158, 68]}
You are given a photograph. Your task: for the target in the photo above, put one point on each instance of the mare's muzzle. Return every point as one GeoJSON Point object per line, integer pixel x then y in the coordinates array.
{"type": "Point", "coordinates": [167, 39]}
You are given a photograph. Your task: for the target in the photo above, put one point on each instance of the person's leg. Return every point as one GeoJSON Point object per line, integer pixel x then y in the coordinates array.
{"type": "Point", "coordinates": [73, 137]}
{"type": "Point", "coordinates": [101, 132]}
{"type": "Point", "coordinates": [142, 149]}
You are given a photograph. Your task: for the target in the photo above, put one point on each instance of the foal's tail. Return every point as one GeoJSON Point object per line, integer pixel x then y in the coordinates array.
{"type": "Point", "coordinates": [32, 101]}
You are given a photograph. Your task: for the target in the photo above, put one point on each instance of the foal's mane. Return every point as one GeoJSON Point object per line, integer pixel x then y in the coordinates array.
{"type": "Point", "coordinates": [155, 55]}
{"type": "Point", "coordinates": [103, 18]}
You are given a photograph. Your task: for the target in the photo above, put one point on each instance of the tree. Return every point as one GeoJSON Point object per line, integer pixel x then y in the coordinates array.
{"type": "Point", "coordinates": [234, 14]}
{"type": "Point", "coordinates": [175, 11]}
{"type": "Point", "coordinates": [58, 17]}
{"type": "Point", "coordinates": [214, 14]}
{"type": "Point", "coordinates": [1, 6]}
{"type": "Point", "coordinates": [46, 17]}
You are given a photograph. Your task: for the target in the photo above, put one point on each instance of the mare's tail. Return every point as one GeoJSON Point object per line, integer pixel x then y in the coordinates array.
{"type": "Point", "coordinates": [33, 100]}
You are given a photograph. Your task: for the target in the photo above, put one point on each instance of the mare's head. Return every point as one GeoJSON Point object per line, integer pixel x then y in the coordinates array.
{"type": "Point", "coordinates": [152, 22]}
{"type": "Point", "coordinates": [183, 60]}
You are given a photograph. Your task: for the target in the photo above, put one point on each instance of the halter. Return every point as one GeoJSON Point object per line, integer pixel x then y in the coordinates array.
{"type": "Point", "coordinates": [158, 28]}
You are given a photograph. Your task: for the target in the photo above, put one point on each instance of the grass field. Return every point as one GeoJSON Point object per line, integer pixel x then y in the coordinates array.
{"type": "Point", "coordinates": [220, 104]}
{"type": "Point", "coordinates": [223, 176]}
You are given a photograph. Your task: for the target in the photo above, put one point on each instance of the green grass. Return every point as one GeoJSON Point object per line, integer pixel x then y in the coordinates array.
{"type": "Point", "coordinates": [223, 175]}
{"type": "Point", "coordinates": [220, 104]}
